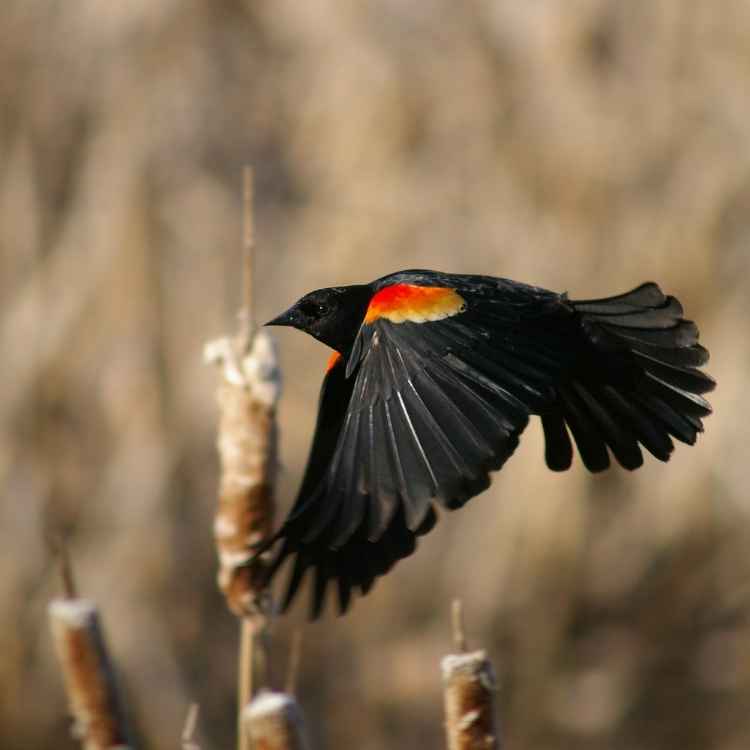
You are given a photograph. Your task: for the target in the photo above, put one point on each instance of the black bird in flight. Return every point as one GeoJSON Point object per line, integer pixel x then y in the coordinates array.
{"type": "Point", "coordinates": [434, 377]}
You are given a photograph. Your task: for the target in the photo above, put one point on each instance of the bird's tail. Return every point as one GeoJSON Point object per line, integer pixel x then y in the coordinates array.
{"type": "Point", "coordinates": [637, 384]}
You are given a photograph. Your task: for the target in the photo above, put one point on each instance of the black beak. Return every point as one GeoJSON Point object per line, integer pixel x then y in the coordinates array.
{"type": "Point", "coordinates": [288, 318]}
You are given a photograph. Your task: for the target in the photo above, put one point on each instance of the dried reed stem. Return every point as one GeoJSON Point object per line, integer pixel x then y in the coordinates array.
{"type": "Point", "coordinates": [295, 657]}
{"type": "Point", "coordinates": [248, 253]}
{"type": "Point", "coordinates": [88, 674]}
{"type": "Point", "coordinates": [469, 686]}
{"type": "Point", "coordinates": [245, 672]}
{"type": "Point", "coordinates": [273, 721]}
{"type": "Point", "coordinates": [188, 731]}
{"type": "Point", "coordinates": [253, 670]}
{"type": "Point", "coordinates": [457, 620]}
{"type": "Point", "coordinates": [247, 394]}
{"type": "Point", "coordinates": [59, 548]}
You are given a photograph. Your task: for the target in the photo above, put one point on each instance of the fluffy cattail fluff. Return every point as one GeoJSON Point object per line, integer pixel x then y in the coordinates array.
{"type": "Point", "coordinates": [273, 721]}
{"type": "Point", "coordinates": [88, 674]}
{"type": "Point", "coordinates": [249, 389]}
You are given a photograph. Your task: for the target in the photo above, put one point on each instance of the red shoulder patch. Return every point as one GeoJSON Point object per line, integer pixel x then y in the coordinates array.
{"type": "Point", "coordinates": [333, 360]}
{"type": "Point", "coordinates": [418, 304]}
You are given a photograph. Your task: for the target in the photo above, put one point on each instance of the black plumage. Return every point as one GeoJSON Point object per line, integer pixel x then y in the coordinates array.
{"type": "Point", "coordinates": [437, 378]}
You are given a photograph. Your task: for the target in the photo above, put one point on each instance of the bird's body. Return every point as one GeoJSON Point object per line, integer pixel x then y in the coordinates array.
{"type": "Point", "coordinates": [434, 377]}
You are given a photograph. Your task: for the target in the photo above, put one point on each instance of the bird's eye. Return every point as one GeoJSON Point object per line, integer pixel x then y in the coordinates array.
{"type": "Point", "coordinates": [322, 309]}
{"type": "Point", "coordinates": [311, 309]}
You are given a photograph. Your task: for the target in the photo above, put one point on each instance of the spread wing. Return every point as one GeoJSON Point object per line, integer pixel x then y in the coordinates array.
{"type": "Point", "coordinates": [420, 414]}
{"type": "Point", "coordinates": [437, 388]}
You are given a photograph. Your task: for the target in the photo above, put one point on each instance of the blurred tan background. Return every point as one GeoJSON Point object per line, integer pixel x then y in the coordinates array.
{"type": "Point", "coordinates": [582, 145]}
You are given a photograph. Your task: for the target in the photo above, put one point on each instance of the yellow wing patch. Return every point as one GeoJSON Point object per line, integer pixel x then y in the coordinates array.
{"type": "Point", "coordinates": [400, 303]}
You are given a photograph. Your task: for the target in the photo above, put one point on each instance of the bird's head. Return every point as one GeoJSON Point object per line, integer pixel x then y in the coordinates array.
{"type": "Point", "coordinates": [331, 315]}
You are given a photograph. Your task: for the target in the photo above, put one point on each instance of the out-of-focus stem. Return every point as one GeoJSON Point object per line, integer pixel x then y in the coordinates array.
{"type": "Point", "coordinates": [188, 731]}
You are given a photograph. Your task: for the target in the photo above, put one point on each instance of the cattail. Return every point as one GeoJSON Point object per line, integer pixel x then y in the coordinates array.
{"type": "Point", "coordinates": [248, 391]}
{"type": "Point", "coordinates": [469, 687]}
{"type": "Point", "coordinates": [247, 442]}
{"type": "Point", "coordinates": [88, 674]}
{"type": "Point", "coordinates": [247, 395]}
{"type": "Point", "coordinates": [273, 721]}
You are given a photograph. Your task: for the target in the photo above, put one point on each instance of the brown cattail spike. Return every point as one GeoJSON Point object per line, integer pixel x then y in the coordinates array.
{"type": "Point", "coordinates": [469, 684]}
{"type": "Point", "coordinates": [273, 721]}
{"type": "Point", "coordinates": [248, 392]}
{"type": "Point", "coordinates": [88, 673]}
{"type": "Point", "coordinates": [469, 687]}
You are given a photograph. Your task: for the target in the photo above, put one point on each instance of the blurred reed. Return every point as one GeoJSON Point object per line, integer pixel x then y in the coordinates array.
{"type": "Point", "coordinates": [188, 731]}
{"type": "Point", "coordinates": [585, 146]}
{"type": "Point", "coordinates": [88, 672]}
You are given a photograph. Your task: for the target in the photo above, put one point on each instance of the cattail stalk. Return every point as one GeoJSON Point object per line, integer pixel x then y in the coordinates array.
{"type": "Point", "coordinates": [247, 443]}
{"type": "Point", "coordinates": [295, 657]}
{"type": "Point", "coordinates": [273, 721]}
{"type": "Point", "coordinates": [188, 731]}
{"type": "Point", "coordinates": [469, 687]}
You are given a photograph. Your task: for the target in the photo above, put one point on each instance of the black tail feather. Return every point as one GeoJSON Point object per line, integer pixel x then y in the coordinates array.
{"type": "Point", "coordinates": [637, 383]}
{"type": "Point", "coordinates": [558, 448]}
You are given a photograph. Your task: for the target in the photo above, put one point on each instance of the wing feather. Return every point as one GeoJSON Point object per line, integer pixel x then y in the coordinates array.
{"type": "Point", "coordinates": [558, 451]}
{"type": "Point", "coordinates": [425, 421]}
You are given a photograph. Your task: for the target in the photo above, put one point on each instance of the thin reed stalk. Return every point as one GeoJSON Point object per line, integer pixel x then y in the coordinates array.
{"type": "Point", "coordinates": [188, 731]}
{"type": "Point", "coordinates": [248, 391]}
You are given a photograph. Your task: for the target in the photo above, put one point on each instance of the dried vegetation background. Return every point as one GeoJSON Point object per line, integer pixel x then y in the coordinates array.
{"type": "Point", "coordinates": [585, 145]}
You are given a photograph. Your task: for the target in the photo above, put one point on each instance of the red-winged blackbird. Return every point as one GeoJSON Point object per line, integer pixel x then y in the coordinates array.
{"type": "Point", "coordinates": [433, 379]}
